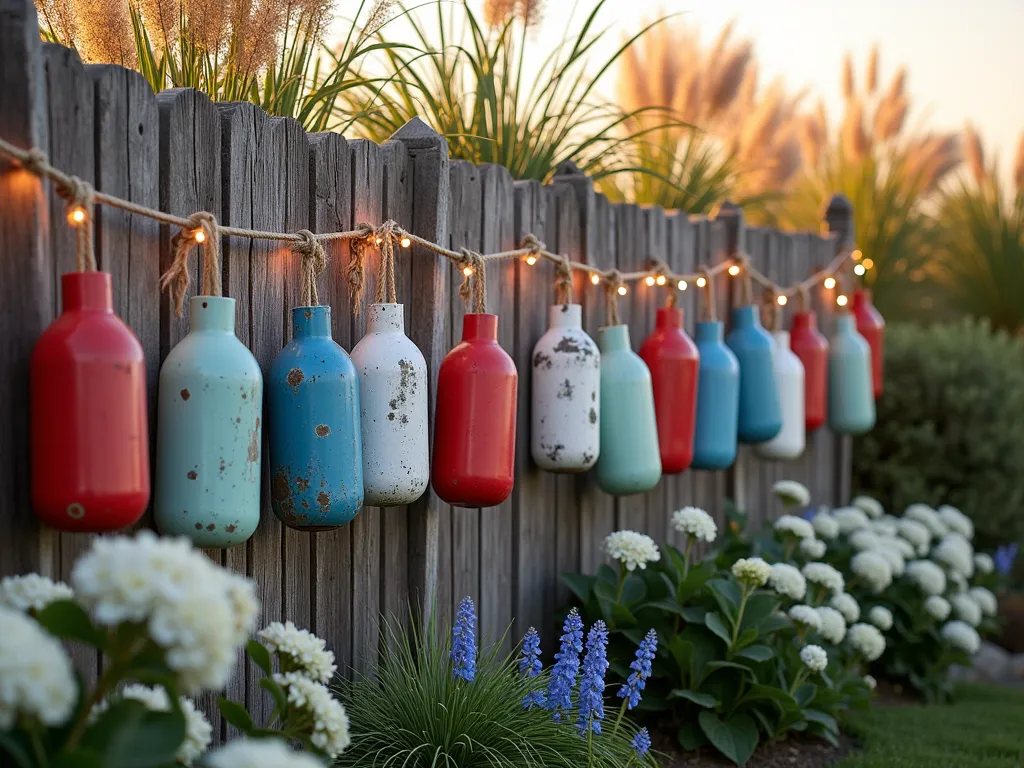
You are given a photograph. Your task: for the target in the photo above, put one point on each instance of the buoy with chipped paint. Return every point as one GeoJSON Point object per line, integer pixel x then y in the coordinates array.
{"type": "Point", "coordinates": [789, 381]}
{"type": "Point", "coordinates": [316, 465]}
{"type": "Point", "coordinates": [209, 432]}
{"type": "Point", "coordinates": [565, 433]}
{"type": "Point", "coordinates": [393, 406]}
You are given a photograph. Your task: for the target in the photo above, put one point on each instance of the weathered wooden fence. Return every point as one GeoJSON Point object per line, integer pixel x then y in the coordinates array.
{"type": "Point", "coordinates": [181, 152]}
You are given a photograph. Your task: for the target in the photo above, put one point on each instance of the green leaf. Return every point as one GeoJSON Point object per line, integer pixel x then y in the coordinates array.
{"type": "Point", "coordinates": [694, 582]}
{"type": "Point", "coordinates": [236, 714]}
{"type": "Point", "coordinates": [78, 758]}
{"type": "Point", "coordinates": [822, 718]}
{"type": "Point", "coordinates": [714, 622]}
{"type": "Point", "coordinates": [727, 595]}
{"type": "Point", "coordinates": [747, 636]}
{"type": "Point", "coordinates": [606, 591]}
{"type": "Point", "coordinates": [633, 590]}
{"type": "Point", "coordinates": [608, 575]}
{"type": "Point", "coordinates": [757, 653]}
{"type": "Point", "coordinates": [694, 613]}
{"type": "Point", "coordinates": [579, 584]}
{"type": "Point", "coordinates": [805, 693]}
{"type": "Point", "coordinates": [15, 744]}
{"type": "Point", "coordinates": [276, 692]}
{"type": "Point", "coordinates": [622, 617]}
{"type": "Point", "coordinates": [130, 736]}
{"type": "Point", "coordinates": [260, 655]}
{"type": "Point", "coordinates": [736, 738]}
{"type": "Point", "coordinates": [773, 623]}
{"type": "Point", "coordinates": [760, 692]}
{"type": "Point", "coordinates": [668, 605]}
{"type": "Point", "coordinates": [759, 607]}
{"type": "Point", "coordinates": [723, 664]}
{"type": "Point", "coordinates": [67, 620]}
{"type": "Point", "coordinates": [691, 737]}
{"type": "Point", "coordinates": [700, 699]}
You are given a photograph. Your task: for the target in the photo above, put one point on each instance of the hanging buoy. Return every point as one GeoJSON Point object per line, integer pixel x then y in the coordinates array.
{"type": "Point", "coordinates": [475, 418]}
{"type": "Point", "coordinates": [718, 399]}
{"type": "Point", "coordinates": [630, 461]}
{"type": "Point", "coordinates": [871, 325]}
{"type": "Point", "coordinates": [393, 401]}
{"type": "Point", "coordinates": [672, 359]}
{"type": "Point", "coordinates": [760, 416]}
{"type": "Point", "coordinates": [565, 433]}
{"type": "Point", "coordinates": [789, 380]}
{"type": "Point", "coordinates": [209, 432]}
{"type": "Point", "coordinates": [87, 405]}
{"type": "Point", "coordinates": [316, 463]}
{"type": "Point", "coordinates": [851, 402]}
{"type": "Point", "coordinates": [811, 347]}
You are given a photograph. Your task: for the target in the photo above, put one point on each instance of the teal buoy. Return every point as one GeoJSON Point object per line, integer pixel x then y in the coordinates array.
{"type": "Point", "coordinates": [760, 414]}
{"type": "Point", "coordinates": [851, 401]}
{"type": "Point", "coordinates": [718, 399]}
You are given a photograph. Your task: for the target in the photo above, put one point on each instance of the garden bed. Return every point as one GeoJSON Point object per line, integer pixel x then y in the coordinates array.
{"type": "Point", "coordinates": [790, 753]}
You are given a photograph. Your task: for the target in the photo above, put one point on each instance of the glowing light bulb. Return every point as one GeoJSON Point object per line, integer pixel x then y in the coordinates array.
{"type": "Point", "coordinates": [661, 280]}
{"type": "Point", "coordinates": [649, 280]}
{"type": "Point", "coordinates": [830, 283]}
{"type": "Point", "coordinates": [682, 285]}
{"type": "Point", "coordinates": [467, 271]}
{"type": "Point", "coordinates": [405, 242]}
{"type": "Point", "coordinates": [782, 301]}
{"type": "Point", "coordinates": [857, 255]}
{"type": "Point", "coordinates": [378, 241]}
{"type": "Point", "coordinates": [200, 236]}
{"type": "Point", "coordinates": [841, 300]}
{"type": "Point", "coordinates": [531, 259]}
{"type": "Point", "coordinates": [734, 270]}
{"type": "Point", "coordinates": [701, 282]}
{"type": "Point", "coordinates": [595, 279]}
{"type": "Point", "coordinates": [76, 215]}
{"type": "Point", "coordinates": [868, 263]}
{"type": "Point", "coordinates": [859, 269]}
{"type": "Point", "coordinates": [622, 290]}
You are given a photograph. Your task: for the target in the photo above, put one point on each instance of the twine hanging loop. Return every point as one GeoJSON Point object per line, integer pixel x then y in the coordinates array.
{"type": "Point", "coordinates": [612, 283]}
{"type": "Point", "coordinates": [314, 261]}
{"type": "Point", "coordinates": [710, 313]}
{"type": "Point", "coordinates": [474, 279]}
{"type": "Point", "coordinates": [563, 281]}
{"type": "Point", "coordinates": [202, 230]}
{"type": "Point", "coordinates": [354, 270]}
{"type": "Point", "coordinates": [747, 281]}
{"type": "Point", "coordinates": [384, 237]}
{"type": "Point", "coordinates": [80, 198]}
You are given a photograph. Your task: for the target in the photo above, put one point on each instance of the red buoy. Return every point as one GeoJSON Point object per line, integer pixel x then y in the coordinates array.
{"type": "Point", "coordinates": [811, 347]}
{"type": "Point", "coordinates": [90, 445]}
{"type": "Point", "coordinates": [871, 325]}
{"type": "Point", "coordinates": [475, 419]}
{"type": "Point", "coordinates": [674, 364]}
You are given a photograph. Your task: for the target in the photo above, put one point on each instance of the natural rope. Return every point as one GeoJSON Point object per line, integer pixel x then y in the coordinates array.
{"type": "Point", "coordinates": [474, 280]}
{"type": "Point", "coordinates": [80, 196]}
{"type": "Point", "coordinates": [356, 264]}
{"type": "Point", "coordinates": [177, 279]}
{"type": "Point", "coordinates": [563, 281]}
{"type": "Point", "coordinates": [803, 300]}
{"type": "Point", "coordinates": [314, 261]}
{"type": "Point", "coordinates": [747, 282]}
{"type": "Point", "coordinates": [384, 237]}
{"type": "Point", "coordinates": [612, 281]}
{"type": "Point", "coordinates": [709, 314]}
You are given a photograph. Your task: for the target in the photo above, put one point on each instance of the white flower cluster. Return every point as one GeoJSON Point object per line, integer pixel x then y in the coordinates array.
{"type": "Point", "coordinates": [806, 617]}
{"type": "Point", "coordinates": [928, 517]}
{"type": "Point", "coordinates": [938, 607]}
{"type": "Point", "coordinates": [985, 600]}
{"type": "Point", "coordinates": [814, 658]}
{"type": "Point", "coordinates": [260, 753]}
{"type": "Point", "coordinates": [983, 563]}
{"type": "Point", "coordinates": [871, 507]}
{"type": "Point", "coordinates": [198, 731]}
{"type": "Point", "coordinates": [864, 538]}
{"type": "Point", "coordinates": [956, 553]}
{"type": "Point", "coordinates": [966, 609]}
{"type": "Point", "coordinates": [300, 650]}
{"type": "Point", "coordinates": [193, 608]}
{"type": "Point", "coordinates": [751, 571]}
{"type": "Point", "coordinates": [846, 605]}
{"type": "Point", "coordinates": [36, 677]}
{"type": "Point", "coordinates": [962, 636]}
{"type": "Point", "coordinates": [791, 493]}
{"type": "Point", "coordinates": [812, 549]}
{"type": "Point", "coordinates": [633, 549]}
{"type": "Point", "coordinates": [893, 555]}
{"type": "Point", "coordinates": [788, 581]}
{"type": "Point", "coordinates": [928, 577]}
{"type": "Point", "coordinates": [957, 582]}
{"type": "Point", "coordinates": [32, 592]}
{"type": "Point", "coordinates": [696, 523]}
{"type": "Point", "coordinates": [873, 569]}
{"type": "Point", "coordinates": [916, 534]}
{"type": "Point", "coordinates": [797, 527]}
{"type": "Point", "coordinates": [905, 548]}
{"type": "Point", "coordinates": [956, 521]}
{"type": "Point", "coordinates": [833, 625]}
{"type": "Point", "coordinates": [885, 526]}
{"type": "Point", "coordinates": [824, 575]}
{"type": "Point", "coordinates": [330, 722]}
{"type": "Point", "coordinates": [870, 682]}
{"type": "Point", "coordinates": [867, 641]}
{"type": "Point", "coordinates": [825, 525]}
{"type": "Point", "coordinates": [850, 519]}
{"type": "Point", "coordinates": [881, 617]}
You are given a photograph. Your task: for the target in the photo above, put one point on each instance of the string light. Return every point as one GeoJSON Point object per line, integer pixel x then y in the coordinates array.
{"type": "Point", "coordinates": [868, 263]}
{"type": "Point", "coordinates": [199, 235]}
{"type": "Point", "coordinates": [379, 241]}
{"type": "Point", "coordinates": [467, 271]}
{"type": "Point", "coordinates": [595, 279]}
{"type": "Point", "coordinates": [682, 285]}
{"type": "Point", "coordinates": [734, 270]}
{"type": "Point", "coordinates": [76, 215]}
{"type": "Point", "coordinates": [531, 259]}
{"type": "Point", "coordinates": [830, 283]}
{"type": "Point", "coordinates": [701, 282]}
{"type": "Point", "coordinates": [405, 242]}
{"type": "Point", "coordinates": [841, 300]}
{"type": "Point", "coordinates": [649, 280]}
{"type": "Point", "coordinates": [856, 255]}
{"type": "Point", "coordinates": [782, 300]}
{"type": "Point", "coordinates": [859, 269]}
{"type": "Point", "coordinates": [622, 290]}
{"type": "Point", "coordinates": [660, 280]}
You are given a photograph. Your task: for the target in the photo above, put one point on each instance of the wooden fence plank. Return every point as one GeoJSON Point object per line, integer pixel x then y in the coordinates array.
{"type": "Point", "coordinates": [660, 499]}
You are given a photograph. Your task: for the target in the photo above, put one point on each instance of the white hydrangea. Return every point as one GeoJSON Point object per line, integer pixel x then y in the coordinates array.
{"type": "Point", "coordinates": [32, 592]}
{"type": "Point", "coordinates": [956, 521]}
{"type": "Point", "coordinates": [812, 549]}
{"type": "Point", "coordinates": [957, 582]}
{"type": "Point", "coordinates": [846, 605]}
{"type": "Point", "coordinates": [791, 525]}
{"type": "Point", "coordinates": [833, 625]}
{"type": "Point", "coordinates": [962, 636]}
{"type": "Point", "coordinates": [885, 526]}
{"type": "Point", "coordinates": [905, 548]}
{"type": "Point", "coordinates": [881, 617]}
{"type": "Point", "coordinates": [814, 658]}
{"type": "Point", "coordinates": [893, 556]}
{"type": "Point", "coordinates": [330, 722]}
{"type": "Point", "coordinates": [825, 525]}
{"type": "Point", "coordinates": [871, 507]}
{"type": "Point", "coordinates": [983, 563]}
{"type": "Point", "coordinates": [36, 677]}
{"type": "Point", "coordinates": [194, 609]}
{"type": "Point", "coordinates": [867, 641]}
{"type": "Point", "coordinates": [870, 682]}
{"type": "Point", "coordinates": [917, 534]}
{"type": "Point", "coordinates": [300, 650]}
{"type": "Point", "coordinates": [938, 607]}
{"type": "Point", "coordinates": [260, 753]}
{"type": "Point", "coordinates": [863, 539]}
{"type": "Point", "coordinates": [928, 517]}
{"type": "Point", "coordinates": [751, 571]}
{"type": "Point", "coordinates": [850, 519]}
{"type": "Point", "coordinates": [788, 581]}
{"type": "Point", "coordinates": [696, 523]}
{"type": "Point", "coordinates": [198, 731]}
{"type": "Point", "coordinates": [985, 600]}
{"type": "Point", "coordinates": [956, 553]}
{"type": "Point", "coordinates": [633, 549]}
{"type": "Point", "coordinates": [928, 577]}
{"type": "Point", "coordinates": [966, 608]}
{"type": "Point", "coordinates": [806, 617]}
{"type": "Point", "coordinates": [873, 569]}
{"type": "Point", "coordinates": [792, 493]}
{"type": "Point", "coordinates": [824, 575]}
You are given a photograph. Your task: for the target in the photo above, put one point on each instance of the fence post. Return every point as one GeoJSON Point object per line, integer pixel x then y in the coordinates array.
{"type": "Point", "coordinates": [26, 280]}
{"type": "Point", "coordinates": [839, 221]}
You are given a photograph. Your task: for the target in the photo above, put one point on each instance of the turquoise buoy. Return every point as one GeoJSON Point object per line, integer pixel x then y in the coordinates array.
{"type": "Point", "coordinates": [760, 416]}
{"type": "Point", "coordinates": [718, 399]}
{"type": "Point", "coordinates": [851, 400]}
{"type": "Point", "coordinates": [629, 460]}
{"type": "Point", "coordinates": [209, 435]}
{"type": "Point", "coordinates": [316, 461]}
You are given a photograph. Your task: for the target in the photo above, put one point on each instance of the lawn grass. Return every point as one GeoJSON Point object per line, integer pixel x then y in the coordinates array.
{"type": "Point", "coordinates": [983, 728]}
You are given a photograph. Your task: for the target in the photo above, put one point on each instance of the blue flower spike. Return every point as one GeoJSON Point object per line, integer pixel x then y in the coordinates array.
{"type": "Point", "coordinates": [463, 652]}
{"type": "Point", "coordinates": [530, 665]}
{"type": "Point", "coordinates": [641, 667]}
{"type": "Point", "coordinates": [595, 664]}
{"type": "Point", "coordinates": [567, 665]}
{"type": "Point", "coordinates": [642, 742]}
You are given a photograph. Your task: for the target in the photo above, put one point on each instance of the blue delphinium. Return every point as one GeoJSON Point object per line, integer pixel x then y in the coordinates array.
{"type": "Point", "coordinates": [595, 664]}
{"type": "Point", "coordinates": [530, 665]}
{"type": "Point", "coordinates": [464, 641]}
{"type": "Point", "coordinates": [567, 665]}
{"type": "Point", "coordinates": [1004, 559]}
{"type": "Point", "coordinates": [641, 667]}
{"type": "Point", "coordinates": [642, 742]}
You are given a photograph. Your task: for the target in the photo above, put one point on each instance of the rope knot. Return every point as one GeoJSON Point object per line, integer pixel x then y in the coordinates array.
{"type": "Point", "coordinates": [563, 280]}
{"type": "Point", "coordinates": [314, 261]}
{"type": "Point", "coordinates": [532, 244]}
{"type": "Point", "coordinates": [36, 161]}
{"type": "Point", "coordinates": [474, 281]}
{"type": "Point", "coordinates": [356, 264]}
{"type": "Point", "coordinates": [201, 230]}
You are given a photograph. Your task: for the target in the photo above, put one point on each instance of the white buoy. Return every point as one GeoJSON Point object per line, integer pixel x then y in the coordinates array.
{"type": "Point", "coordinates": [789, 380]}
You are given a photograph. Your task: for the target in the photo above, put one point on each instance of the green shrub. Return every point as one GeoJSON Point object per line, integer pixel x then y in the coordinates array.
{"type": "Point", "coordinates": [949, 426]}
